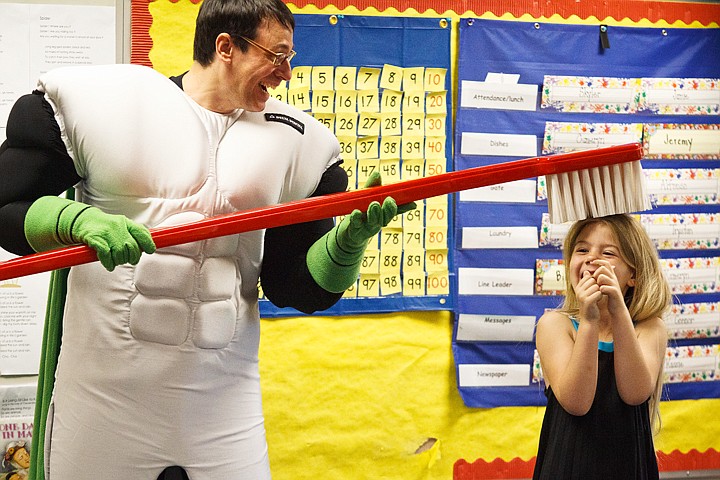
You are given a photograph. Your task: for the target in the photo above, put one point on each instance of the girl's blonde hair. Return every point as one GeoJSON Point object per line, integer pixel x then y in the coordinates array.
{"type": "Point", "coordinates": [649, 298]}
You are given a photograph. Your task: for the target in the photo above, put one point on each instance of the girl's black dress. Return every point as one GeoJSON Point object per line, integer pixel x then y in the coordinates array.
{"type": "Point", "coordinates": [613, 441]}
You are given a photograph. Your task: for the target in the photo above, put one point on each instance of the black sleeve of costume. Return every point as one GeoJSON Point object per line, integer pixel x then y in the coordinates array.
{"type": "Point", "coordinates": [33, 163]}
{"type": "Point", "coordinates": [285, 278]}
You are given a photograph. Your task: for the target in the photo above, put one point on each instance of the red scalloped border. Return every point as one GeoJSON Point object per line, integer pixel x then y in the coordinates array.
{"type": "Point", "coordinates": [497, 469]}
{"type": "Point", "coordinates": [140, 40]}
{"type": "Point", "coordinates": [634, 10]}
{"type": "Point", "coordinates": [516, 468]}
{"type": "Point", "coordinates": [692, 460]}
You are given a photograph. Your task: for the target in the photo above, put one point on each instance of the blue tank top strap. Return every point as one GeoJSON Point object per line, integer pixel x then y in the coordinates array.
{"type": "Point", "coordinates": [604, 346]}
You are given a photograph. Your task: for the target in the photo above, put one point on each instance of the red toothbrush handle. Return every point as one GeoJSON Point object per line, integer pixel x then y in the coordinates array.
{"type": "Point", "coordinates": [333, 205]}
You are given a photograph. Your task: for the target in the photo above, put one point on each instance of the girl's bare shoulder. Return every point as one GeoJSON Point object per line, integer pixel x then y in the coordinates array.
{"type": "Point", "coordinates": [655, 325]}
{"type": "Point", "coordinates": [554, 320]}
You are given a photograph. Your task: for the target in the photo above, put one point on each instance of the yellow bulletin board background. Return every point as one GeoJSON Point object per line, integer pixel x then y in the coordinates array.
{"type": "Point", "coordinates": [375, 396]}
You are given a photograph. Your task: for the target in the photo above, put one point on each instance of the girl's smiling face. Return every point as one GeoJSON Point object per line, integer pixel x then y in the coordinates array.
{"type": "Point", "coordinates": [595, 246]}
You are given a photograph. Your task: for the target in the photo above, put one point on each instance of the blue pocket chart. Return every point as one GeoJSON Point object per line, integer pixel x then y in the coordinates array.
{"type": "Point", "coordinates": [406, 62]}
{"type": "Point", "coordinates": [528, 89]}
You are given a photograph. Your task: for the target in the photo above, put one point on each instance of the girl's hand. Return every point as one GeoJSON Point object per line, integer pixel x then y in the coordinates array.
{"type": "Point", "coordinates": [608, 283]}
{"type": "Point", "coordinates": [589, 295]}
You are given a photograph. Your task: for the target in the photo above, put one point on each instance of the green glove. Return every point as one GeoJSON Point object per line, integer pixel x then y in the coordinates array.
{"type": "Point", "coordinates": [334, 260]}
{"type": "Point", "coordinates": [54, 222]}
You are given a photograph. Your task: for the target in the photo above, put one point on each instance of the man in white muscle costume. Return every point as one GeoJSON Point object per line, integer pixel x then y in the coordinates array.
{"type": "Point", "coordinates": [157, 374]}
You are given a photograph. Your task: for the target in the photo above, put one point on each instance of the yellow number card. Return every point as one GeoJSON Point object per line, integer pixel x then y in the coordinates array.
{"type": "Point", "coordinates": [347, 147]}
{"type": "Point", "coordinates": [412, 168]}
{"type": "Point", "coordinates": [299, 98]}
{"type": "Point", "coordinates": [414, 284]}
{"type": "Point", "coordinates": [414, 219]}
{"type": "Point", "coordinates": [413, 124]}
{"type": "Point", "coordinates": [327, 119]}
{"type": "Point", "coordinates": [438, 284]}
{"type": "Point", "coordinates": [436, 215]}
{"type": "Point", "coordinates": [367, 147]}
{"type": "Point", "coordinates": [390, 261]}
{"type": "Point", "coordinates": [390, 147]}
{"type": "Point", "coordinates": [369, 124]}
{"type": "Point", "coordinates": [395, 224]}
{"type": "Point", "coordinates": [300, 78]}
{"type": "Point", "coordinates": [390, 283]}
{"type": "Point", "coordinates": [391, 124]}
{"type": "Point", "coordinates": [436, 237]}
{"type": "Point", "coordinates": [391, 240]}
{"type": "Point", "coordinates": [414, 102]}
{"type": "Point", "coordinates": [413, 79]}
{"type": "Point", "coordinates": [435, 148]}
{"type": "Point", "coordinates": [414, 260]}
{"type": "Point", "coordinates": [323, 101]}
{"type": "Point", "coordinates": [435, 79]}
{"type": "Point", "coordinates": [345, 78]}
{"type": "Point", "coordinates": [368, 78]}
{"type": "Point", "coordinates": [346, 124]}
{"type": "Point", "coordinates": [435, 125]}
{"type": "Point", "coordinates": [369, 285]}
{"type": "Point", "coordinates": [434, 166]}
{"type": "Point", "coordinates": [412, 147]}
{"type": "Point", "coordinates": [391, 101]}
{"type": "Point", "coordinates": [391, 77]}
{"type": "Point", "coordinates": [436, 260]}
{"type": "Point", "coordinates": [350, 167]}
{"type": "Point", "coordinates": [322, 78]}
{"type": "Point", "coordinates": [346, 101]}
{"type": "Point", "coordinates": [435, 103]}
{"type": "Point", "coordinates": [390, 170]}
{"type": "Point", "coordinates": [371, 261]}
{"type": "Point", "coordinates": [435, 218]}
{"type": "Point", "coordinates": [413, 237]}
{"type": "Point", "coordinates": [366, 167]}
{"type": "Point", "coordinates": [368, 101]}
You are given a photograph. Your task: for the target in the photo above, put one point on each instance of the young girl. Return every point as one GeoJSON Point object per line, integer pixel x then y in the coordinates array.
{"type": "Point", "coordinates": [602, 355]}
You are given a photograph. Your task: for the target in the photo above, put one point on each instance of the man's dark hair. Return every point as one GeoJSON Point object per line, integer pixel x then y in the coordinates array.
{"type": "Point", "coordinates": [239, 18]}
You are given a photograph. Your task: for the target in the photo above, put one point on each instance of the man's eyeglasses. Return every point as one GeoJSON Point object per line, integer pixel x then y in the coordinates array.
{"type": "Point", "coordinates": [277, 59]}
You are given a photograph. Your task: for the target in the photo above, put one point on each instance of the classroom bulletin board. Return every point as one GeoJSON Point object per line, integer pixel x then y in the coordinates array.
{"type": "Point", "coordinates": [373, 386]}
{"type": "Point", "coordinates": [530, 88]}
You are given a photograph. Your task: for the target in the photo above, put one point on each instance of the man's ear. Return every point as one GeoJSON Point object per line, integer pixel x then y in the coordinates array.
{"type": "Point", "coordinates": [224, 46]}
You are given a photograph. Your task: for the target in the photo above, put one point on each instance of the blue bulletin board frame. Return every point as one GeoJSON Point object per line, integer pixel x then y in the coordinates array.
{"type": "Point", "coordinates": [373, 41]}
{"type": "Point", "coordinates": [533, 50]}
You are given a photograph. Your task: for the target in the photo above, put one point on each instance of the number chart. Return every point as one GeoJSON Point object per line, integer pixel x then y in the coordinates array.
{"type": "Point", "coordinates": [387, 104]}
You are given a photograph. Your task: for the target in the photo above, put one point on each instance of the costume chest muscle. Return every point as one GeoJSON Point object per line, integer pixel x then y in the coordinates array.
{"type": "Point", "coordinates": [145, 149]}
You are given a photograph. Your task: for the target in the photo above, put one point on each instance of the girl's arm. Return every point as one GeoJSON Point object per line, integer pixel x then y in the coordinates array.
{"type": "Point", "coordinates": [639, 355]}
{"type": "Point", "coordinates": [639, 348]}
{"type": "Point", "coordinates": [569, 365]}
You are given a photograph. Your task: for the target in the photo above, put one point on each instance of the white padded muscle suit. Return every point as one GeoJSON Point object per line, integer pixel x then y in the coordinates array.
{"type": "Point", "coordinates": [159, 363]}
